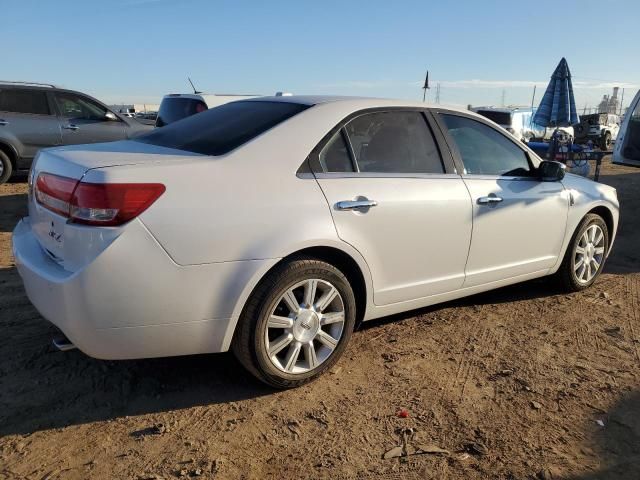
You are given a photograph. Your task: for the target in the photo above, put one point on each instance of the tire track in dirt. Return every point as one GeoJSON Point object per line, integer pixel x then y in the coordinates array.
{"type": "Point", "coordinates": [470, 360]}
{"type": "Point", "coordinates": [632, 292]}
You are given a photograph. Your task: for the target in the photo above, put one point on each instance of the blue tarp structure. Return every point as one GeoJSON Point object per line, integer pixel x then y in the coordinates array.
{"type": "Point", "coordinates": [558, 106]}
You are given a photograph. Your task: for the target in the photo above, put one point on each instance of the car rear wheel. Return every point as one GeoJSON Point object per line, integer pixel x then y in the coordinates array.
{"type": "Point", "coordinates": [5, 167]}
{"type": "Point", "coordinates": [296, 323]}
{"type": "Point", "coordinates": [586, 254]}
{"type": "Point", "coordinates": [606, 141]}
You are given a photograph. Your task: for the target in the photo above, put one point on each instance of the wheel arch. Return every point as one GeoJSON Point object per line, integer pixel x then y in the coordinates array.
{"type": "Point", "coordinates": [11, 152]}
{"type": "Point", "coordinates": [607, 216]}
{"type": "Point", "coordinates": [602, 209]}
{"type": "Point", "coordinates": [346, 259]}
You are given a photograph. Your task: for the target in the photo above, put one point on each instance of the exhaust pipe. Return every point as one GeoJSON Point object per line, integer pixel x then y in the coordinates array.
{"type": "Point", "coordinates": [62, 343]}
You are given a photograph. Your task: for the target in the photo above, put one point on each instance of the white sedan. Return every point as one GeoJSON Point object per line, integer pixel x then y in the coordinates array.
{"type": "Point", "coordinates": [273, 226]}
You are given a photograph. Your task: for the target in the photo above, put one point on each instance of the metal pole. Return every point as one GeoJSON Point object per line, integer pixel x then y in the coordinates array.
{"type": "Point", "coordinates": [621, 101]}
{"type": "Point", "coordinates": [533, 98]}
{"type": "Point", "coordinates": [425, 87]}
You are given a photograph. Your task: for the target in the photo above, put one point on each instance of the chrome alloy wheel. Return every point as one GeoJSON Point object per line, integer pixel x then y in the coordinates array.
{"type": "Point", "coordinates": [589, 254]}
{"type": "Point", "coordinates": [305, 326]}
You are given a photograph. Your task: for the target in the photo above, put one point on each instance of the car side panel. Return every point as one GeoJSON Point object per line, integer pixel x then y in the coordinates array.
{"type": "Point", "coordinates": [219, 211]}
{"type": "Point", "coordinates": [585, 195]}
{"type": "Point", "coordinates": [29, 133]}
{"type": "Point", "coordinates": [521, 234]}
{"type": "Point", "coordinates": [415, 240]}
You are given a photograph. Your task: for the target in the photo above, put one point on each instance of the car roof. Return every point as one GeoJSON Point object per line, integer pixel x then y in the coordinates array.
{"type": "Point", "coordinates": [491, 108]}
{"type": "Point", "coordinates": [361, 103]}
{"type": "Point", "coordinates": [344, 102]}
{"type": "Point", "coordinates": [355, 102]}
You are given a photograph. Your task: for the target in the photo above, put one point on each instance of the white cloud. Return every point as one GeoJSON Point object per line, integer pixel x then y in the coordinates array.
{"type": "Point", "coordinates": [475, 83]}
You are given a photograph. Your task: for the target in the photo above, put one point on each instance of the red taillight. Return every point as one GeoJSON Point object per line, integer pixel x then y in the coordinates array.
{"type": "Point", "coordinates": [105, 204]}
{"type": "Point", "coordinates": [54, 192]}
{"type": "Point", "coordinates": [112, 203]}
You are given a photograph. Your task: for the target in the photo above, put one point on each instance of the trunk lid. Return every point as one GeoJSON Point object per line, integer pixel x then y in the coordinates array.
{"type": "Point", "coordinates": [69, 244]}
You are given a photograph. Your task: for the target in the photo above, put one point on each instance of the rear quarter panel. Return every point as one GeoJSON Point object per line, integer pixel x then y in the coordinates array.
{"type": "Point", "coordinates": [246, 205]}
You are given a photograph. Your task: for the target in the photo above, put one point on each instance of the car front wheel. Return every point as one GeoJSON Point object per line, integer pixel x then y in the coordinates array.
{"type": "Point", "coordinates": [586, 254]}
{"type": "Point", "coordinates": [296, 323]}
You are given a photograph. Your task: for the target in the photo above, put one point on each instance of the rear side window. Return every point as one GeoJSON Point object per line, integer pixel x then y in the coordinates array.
{"type": "Point", "coordinates": [394, 142]}
{"type": "Point", "coordinates": [222, 129]}
{"type": "Point", "coordinates": [24, 101]}
{"type": "Point", "coordinates": [173, 109]}
{"type": "Point", "coordinates": [334, 157]}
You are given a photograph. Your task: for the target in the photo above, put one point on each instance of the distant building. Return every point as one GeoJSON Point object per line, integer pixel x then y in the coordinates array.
{"type": "Point", "coordinates": [610, 104]}
{"type": "Point", "coordinates": [136, 107]}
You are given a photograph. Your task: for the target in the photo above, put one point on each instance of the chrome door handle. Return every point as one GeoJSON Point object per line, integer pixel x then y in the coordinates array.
{"type": "Point", "coordinates": [3, 122]}
{"type": "Point", "coordinates": [491, 199]}
{"type": "Point", "coordinates": [355, 204]}
{"type": "Point", "coordinates": [71, 126]}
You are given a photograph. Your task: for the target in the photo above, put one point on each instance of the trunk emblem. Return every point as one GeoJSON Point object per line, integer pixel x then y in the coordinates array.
{"type": "Point", "coordinates": [52, 233]}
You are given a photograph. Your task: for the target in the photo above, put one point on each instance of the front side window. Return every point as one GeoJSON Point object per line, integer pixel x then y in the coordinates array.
{"type": "Point", "coordinates": [394, 142]}
{"type": "Point", "coordinates": [24, 101]}
{"type": "Point", "coordinates": [484, 150]}
{"type": "Point", "coordinates": [79, 108]}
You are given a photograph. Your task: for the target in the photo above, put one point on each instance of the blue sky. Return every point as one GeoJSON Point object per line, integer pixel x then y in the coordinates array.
{"type": "Point", "coordinates": [138, 50]}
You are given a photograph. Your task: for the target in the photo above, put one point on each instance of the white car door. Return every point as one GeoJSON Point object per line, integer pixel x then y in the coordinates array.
{"type": "Point", "coordinates": [395, 201]}
{"type": "Point", "coordinates": [519, 221]}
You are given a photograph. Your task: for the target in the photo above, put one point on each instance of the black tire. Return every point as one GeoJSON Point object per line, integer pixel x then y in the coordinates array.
{"type": "Point", "coordinates": [566, 274]}
{"type": "Point", "coordinates": [605, 142]}
{"type": "Point", "coordinates": [5, 167]}
{"type": "Point", "coordinates": [249, 339]}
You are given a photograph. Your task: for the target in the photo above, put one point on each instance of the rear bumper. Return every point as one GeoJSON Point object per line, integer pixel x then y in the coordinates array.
{"type": "Point", "coordinates": [132, 300]}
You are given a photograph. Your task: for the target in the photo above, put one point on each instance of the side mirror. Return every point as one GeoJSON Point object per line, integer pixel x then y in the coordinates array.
{"type": "Point", "coordinates": [111, 116]}
{"type": "Point", "coordinates": [550, 171]}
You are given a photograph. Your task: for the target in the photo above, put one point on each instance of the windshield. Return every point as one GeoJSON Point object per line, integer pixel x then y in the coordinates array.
{"type": "Point", "coordinates": [501, 118]}
{"type": "Point", "coordinates": [221, 129]}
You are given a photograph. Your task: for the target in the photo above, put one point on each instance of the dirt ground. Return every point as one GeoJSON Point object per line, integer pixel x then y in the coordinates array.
{"type": "Point", "coordinates": [520, 383]}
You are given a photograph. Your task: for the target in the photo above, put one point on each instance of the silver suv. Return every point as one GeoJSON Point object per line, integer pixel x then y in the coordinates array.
{"type": "Point", "coordinates": [35, 116]}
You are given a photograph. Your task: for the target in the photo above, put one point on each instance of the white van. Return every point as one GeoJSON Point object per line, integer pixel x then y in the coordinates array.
{"type": "Point", "coordinates": [177, 106]}
{"type": "Point", "coordinates": [627, 149]}
{"type": "Point", "coordinates": [516, 121]}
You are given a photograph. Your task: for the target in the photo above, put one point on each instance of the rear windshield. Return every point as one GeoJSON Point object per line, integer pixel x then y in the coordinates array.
{"type": "Point", "coordinates": [173, 109]}
{"type": "Point", "coordinates": [221, 129]}
{"type": "Point", "coordinates": [501, 118]}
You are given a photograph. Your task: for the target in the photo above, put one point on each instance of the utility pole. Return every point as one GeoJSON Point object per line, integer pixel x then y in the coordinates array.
{"type": "Point", "coordinates": [504, 94]}
{"type": "Point", "coordinates": [438, 93]}
{"type": "Point", "coordinates": [533, 98]}
{"type": "Point", "coordinates": [621, 100]}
